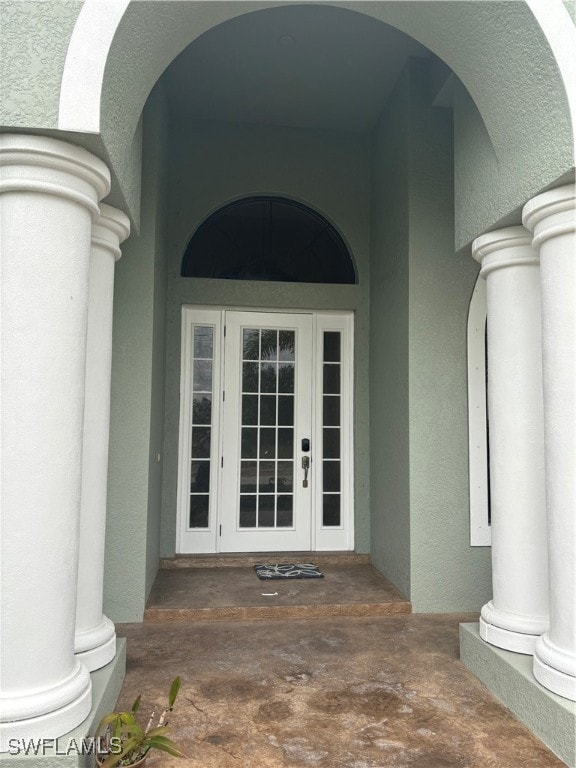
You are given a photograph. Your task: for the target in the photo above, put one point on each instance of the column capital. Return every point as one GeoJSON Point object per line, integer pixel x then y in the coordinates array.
{"type": "Point", "coordinates": [110, 229]}
{"type": "Point", "coordinates": [507, 247]}
{"type": "Point", "coordinates": [551, 214]}
{"type": "Point", "coordinates": [44, 165]}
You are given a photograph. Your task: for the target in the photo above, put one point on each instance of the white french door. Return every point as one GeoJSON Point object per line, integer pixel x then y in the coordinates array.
{"type": "Point", "coordinates": [266, 498]}
{"type": "Point", "coordinates": [265, 432]}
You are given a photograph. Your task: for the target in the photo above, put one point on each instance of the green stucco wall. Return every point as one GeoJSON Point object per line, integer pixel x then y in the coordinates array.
{"type": "Point", "coordinates": [35, 39]}
{"type": "Point", "coordinates": [501, 57]}
{"type": "Point", "coordinates": [329, 171]}
{"type": "Point", "coordinates": [137, 406]}
{"type": "Point", "coordinates": [156, 139]}
{"type": "Point", "coordinates": [389, 329]}
{"type": "Point", "coordinates": [447, 574]}
{"type": "Point", "coordinates": [420, 293]}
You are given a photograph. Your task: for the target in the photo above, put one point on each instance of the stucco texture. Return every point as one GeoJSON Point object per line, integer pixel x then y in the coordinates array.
{"type": "Point", "coordinates": [389, 329]}
{"type": "Point", "coordinates": [35, 38]}
{"type": "Point", "coordinates": [418, 406]}
{"type": "Point", "coordinates": [137, 398]}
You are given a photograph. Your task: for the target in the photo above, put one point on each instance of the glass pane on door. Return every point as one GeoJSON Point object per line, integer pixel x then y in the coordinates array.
{"type": "Point", "coordinates": [331, 429]}
{"type": "Point", "coordinates": [267, 428]}
{"type": "Point", "coordinates": [202, 392]}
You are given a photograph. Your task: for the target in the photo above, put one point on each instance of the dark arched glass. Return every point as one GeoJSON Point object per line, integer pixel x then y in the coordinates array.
{"type": "Point", "coordinates": [268, 238]}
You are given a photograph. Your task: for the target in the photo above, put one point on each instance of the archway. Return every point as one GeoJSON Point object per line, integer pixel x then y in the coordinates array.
{"type": "Point", "coordinates": [520, 111]}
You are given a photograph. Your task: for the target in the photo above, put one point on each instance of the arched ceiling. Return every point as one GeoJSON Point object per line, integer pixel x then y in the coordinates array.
{"type": "Point", "coordinates": [305, 66]}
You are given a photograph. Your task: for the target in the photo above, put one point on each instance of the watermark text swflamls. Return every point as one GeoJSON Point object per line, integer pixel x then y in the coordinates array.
{"type": "Point", "coordinates": [64, 747]}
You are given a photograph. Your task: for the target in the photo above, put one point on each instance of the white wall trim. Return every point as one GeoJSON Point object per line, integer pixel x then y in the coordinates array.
{"type": "Point", "coordinates": [480, 533]}
{"type": "Point", "coordinates": [83, 76]}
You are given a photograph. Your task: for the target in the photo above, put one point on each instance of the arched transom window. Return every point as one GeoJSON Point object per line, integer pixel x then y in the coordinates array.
{"type": "Point", "coordinates": [268, 238]}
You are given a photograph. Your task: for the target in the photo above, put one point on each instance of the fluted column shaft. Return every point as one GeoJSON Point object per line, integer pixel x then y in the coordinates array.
{"type": "Point", "coordinates": [552, 218]}
{"type": "Point", "coordinates": [95, 642]}
{"type": "Point", "coordinates": [49, 198]}
{"type": "Point", "coordinates": [518, 611]}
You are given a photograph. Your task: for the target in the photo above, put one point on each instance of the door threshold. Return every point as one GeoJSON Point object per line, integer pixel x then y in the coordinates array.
{"type": "Point", "coordinates": [240, 559]}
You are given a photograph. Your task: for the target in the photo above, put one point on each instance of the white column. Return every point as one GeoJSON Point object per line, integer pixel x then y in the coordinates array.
{"type": "Point", "coordinates": [518, 611]}
{"type": "Point", "coordinates": [49, 197]}
{"type": "Point", "coordinates": [552, 217]}
{"type": "Point", "coordinates": [95, 643]}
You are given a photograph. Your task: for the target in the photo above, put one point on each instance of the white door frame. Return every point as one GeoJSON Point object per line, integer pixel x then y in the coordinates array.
{"type": "Point", "coordinates": [322, 537]}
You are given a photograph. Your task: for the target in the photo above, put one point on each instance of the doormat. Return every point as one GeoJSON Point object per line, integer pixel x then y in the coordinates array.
{"type": "Point", "coordinates": [288, 571]}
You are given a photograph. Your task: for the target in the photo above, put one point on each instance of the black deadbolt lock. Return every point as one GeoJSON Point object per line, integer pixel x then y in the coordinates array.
{"type": "Point", "coordinates": [305, 445]}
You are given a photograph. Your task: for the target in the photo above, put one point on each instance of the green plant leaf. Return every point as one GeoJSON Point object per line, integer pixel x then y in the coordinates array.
{"type": "Point", "coordinates": [124, 726]}
{"type": "Point", "coordinates": [127, 718]}
{"type": "Point", "coordinates": [136, 705]}
{"type": "Point", "coordinates": [165, 745]}
{"type": "Point", "coordinates": [106, 720]}
{"type": "Point", "coordinates": [174, 688]}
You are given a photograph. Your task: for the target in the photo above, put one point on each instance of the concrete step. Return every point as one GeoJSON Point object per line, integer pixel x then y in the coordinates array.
{"type": "Point", "coordinates": [249, 559]}
{"type": "Point", "coordinates": [248, 612]}
{"type": "Point", "coordinates": [236, 593]}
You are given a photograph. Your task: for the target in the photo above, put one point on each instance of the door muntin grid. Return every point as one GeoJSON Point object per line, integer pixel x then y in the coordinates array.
{"type": "Point", "coordinates": [331, 429]}
{"type": "Point", "coordinates": [268, 366]}
{"type": "Point", "coordinates": [202, 421]}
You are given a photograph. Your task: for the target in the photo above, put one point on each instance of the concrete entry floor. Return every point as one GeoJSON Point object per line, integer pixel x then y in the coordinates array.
{"type": "Point", "coordinates": [235, 592]}
{"type": "Point", "coordinates": [346, 692]}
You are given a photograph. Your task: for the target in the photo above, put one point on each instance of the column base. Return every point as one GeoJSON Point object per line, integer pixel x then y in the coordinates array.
{"type": "Point", "coordinates": [555, 669]}
{"type": "Point", "coordinates": [77, 692]}
{"type": "Point", "coordinates": [510, 631]}
{"type": "Point", "coordinates": [96, 647]}
{"type": "Point", "coordinates": [75, 748]}
{"type": "Point", "coordinates": [509, 677]}
{"type": "Point", "coordinates": [96, 658]}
